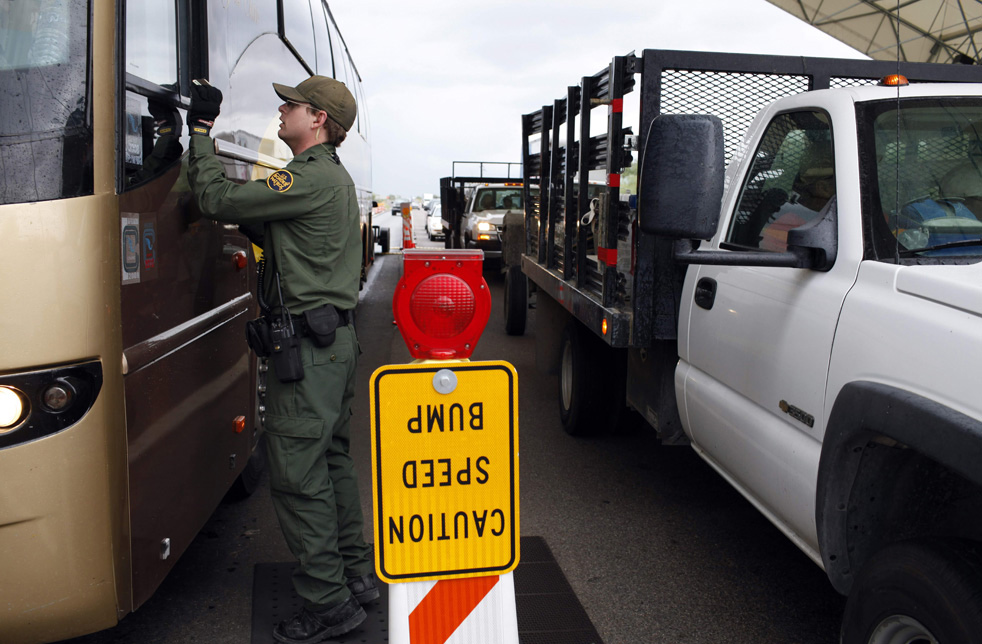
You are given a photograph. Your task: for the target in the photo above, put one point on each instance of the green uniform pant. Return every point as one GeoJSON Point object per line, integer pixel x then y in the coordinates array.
{"type": "Point", "coordinates": [312, 476]}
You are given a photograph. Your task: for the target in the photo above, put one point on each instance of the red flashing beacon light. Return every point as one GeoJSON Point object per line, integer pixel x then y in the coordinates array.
{"type": "Point", "coordinates": [442, 303]}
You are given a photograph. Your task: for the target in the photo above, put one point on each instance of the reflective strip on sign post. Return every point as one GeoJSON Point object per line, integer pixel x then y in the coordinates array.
{"type": "Point", "coordinates": [473, 610]}
{"type": "Point", "coordinates": [446, 607]}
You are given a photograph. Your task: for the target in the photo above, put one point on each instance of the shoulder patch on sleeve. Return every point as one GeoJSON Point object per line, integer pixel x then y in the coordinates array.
{"type": "Point", "coordinates": [280, 181]}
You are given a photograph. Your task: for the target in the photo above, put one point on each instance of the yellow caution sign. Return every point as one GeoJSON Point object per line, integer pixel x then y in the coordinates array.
{"type": "Point", "coordinates": [445, 470]}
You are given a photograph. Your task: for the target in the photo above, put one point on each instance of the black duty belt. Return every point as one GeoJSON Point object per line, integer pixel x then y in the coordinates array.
{"type": "Point", "coordinates": [300, 324]}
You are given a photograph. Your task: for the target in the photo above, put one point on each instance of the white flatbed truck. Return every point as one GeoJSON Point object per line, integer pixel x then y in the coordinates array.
{"type": "Point", "coordinates": [796, 292]}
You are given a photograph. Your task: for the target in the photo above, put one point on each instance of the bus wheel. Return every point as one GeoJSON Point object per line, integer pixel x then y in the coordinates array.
{"type": "Point", "coordinates": [917, 591]}
{"type": "Point", "coordinates": [516, 300]}
{"type": "Point", "coordinates": [248, 480]}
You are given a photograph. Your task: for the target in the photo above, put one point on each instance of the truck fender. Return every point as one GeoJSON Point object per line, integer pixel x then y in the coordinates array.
{"type": "Point", "coordinates": [867, 415]}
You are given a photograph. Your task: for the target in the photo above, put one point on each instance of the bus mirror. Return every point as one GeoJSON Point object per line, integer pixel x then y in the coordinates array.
{"type": "Point", "coordinates": [681, 182]}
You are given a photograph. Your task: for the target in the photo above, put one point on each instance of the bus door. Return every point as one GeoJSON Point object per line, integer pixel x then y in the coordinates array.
{"type": "Point", "coordinates": [186, 292]}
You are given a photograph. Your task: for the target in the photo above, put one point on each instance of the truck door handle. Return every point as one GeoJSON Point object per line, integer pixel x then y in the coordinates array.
{"type": "Point", "coordinates": [706, 292]}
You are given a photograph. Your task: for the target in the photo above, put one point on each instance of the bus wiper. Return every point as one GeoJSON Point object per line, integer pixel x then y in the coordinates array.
{"type": "Point", "coordinates": [910, 252]}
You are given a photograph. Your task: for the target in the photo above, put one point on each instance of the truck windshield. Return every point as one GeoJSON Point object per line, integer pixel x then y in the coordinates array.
{"type": "Point", "coordinates": [928, 171]}
{"type": "Point", "coordinates": [45, 118]}
{"type": "Point", "coordinates": [498, 199]}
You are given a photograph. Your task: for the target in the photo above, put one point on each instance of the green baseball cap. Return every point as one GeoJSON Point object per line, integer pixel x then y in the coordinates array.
{"type": "Point", "coordinates": [325, 94]}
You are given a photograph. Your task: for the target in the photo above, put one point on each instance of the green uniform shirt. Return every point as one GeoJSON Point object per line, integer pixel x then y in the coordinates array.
{"type": "Point", "coordinates": [309, 213]}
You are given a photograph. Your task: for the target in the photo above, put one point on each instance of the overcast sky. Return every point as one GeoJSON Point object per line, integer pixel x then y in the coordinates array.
{"type": "Point", "coordinates": [448, 80]}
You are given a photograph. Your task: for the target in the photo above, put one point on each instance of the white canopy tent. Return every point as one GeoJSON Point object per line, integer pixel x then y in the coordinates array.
{"type": "Point", "coordinates": [929, 31]}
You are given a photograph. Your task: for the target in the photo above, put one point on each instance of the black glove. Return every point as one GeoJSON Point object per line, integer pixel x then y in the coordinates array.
{"type": "Point", "coordinates": [206, 102]}
{"type": "Point", "coordinates": [165, 118]}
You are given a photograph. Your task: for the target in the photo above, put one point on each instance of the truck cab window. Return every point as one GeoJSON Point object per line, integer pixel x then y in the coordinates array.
{"type": "Point", "coordinates": [791, 179]}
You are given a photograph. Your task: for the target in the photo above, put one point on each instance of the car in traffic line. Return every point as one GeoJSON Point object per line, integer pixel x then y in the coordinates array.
{"type": "Point", "coordinates": [434, 222]}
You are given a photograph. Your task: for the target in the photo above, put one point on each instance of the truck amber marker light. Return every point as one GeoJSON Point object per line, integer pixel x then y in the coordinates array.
{"type": "Point", "coordinates": [894, 80]}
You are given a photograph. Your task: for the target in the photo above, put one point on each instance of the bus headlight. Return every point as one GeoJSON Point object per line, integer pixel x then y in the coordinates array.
{"type": "Point", "coordinates": [35, 404]}
{"type": "Point", "coordinates": [13, 408]}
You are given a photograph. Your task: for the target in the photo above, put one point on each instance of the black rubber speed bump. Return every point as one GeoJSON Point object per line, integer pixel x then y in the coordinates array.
{"type": "Point", "coordinates": [548, 610]}
{"type": "Point", "coordinates": [274, 600]}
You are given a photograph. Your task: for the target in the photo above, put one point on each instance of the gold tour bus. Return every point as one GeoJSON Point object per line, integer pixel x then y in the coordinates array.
{"type": "Point", "coordinates": [128, 399]}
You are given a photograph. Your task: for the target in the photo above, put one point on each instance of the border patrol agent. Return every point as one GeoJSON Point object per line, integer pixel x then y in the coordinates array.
{"type": "Point", "coordinates": [308, 214]}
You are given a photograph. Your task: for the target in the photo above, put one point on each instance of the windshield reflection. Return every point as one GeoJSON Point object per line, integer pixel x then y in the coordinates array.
{"type": "Point", "coordinates": [929, 170]}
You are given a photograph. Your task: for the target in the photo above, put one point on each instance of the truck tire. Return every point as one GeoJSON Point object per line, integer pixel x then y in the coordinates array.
{"type": "Point", "coordinates": [516, 300]}
{"type": "Point", "coordinates": [383, 239]}
{"type": "Point", "coordinates": [917, 591]}
{"type": "Point", "coordinates": [574, 366]}
{"type": "Point", "coordinates": [591, 383]}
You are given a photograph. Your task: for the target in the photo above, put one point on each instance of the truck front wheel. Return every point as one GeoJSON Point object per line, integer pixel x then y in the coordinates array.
{"type": "Point", "coordinates": [917, 591]}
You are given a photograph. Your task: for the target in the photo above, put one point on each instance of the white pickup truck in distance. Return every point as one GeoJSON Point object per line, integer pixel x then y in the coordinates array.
{"type": "Point", "coordinates": [830, 336]}
{"type": "Point", "coordinates": [482, 219]}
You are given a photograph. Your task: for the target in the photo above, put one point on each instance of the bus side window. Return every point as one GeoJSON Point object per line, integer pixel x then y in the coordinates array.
{"type": "Point", "coordinates": [325, 60]}
{"type": "Point", "coordinates": [151, 118]}
{"type": "Point", "coordinates": [297, 30]}
{"type": "Point", "coordinates": [151, 41]}
{"type": "Point", "coordinates": [362, 110]}
{"type": "Point", "coordinates": [339, 54]}
{"type": "Point", "coordinates": [352, 85]}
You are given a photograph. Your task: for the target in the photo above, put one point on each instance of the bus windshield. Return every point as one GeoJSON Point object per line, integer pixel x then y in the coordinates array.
{"type": "Point", "coordinates": [45, 120]}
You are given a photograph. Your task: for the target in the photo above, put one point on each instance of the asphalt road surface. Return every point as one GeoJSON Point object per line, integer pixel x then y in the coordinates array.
{"type": "Point", "coordinates": [656, 545]}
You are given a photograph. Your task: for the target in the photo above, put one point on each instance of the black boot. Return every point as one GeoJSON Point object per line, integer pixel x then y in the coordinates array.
{"type": "Point", "coordinates": [310, 625]}
{"type": "Point", "coordinates": [364, 588]}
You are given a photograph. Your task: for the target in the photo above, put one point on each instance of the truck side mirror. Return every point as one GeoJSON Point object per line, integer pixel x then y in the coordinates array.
{"type": "Point", "coordinates": [819, 238]}
{"type": "Point", "coordinates": [681, 182]}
